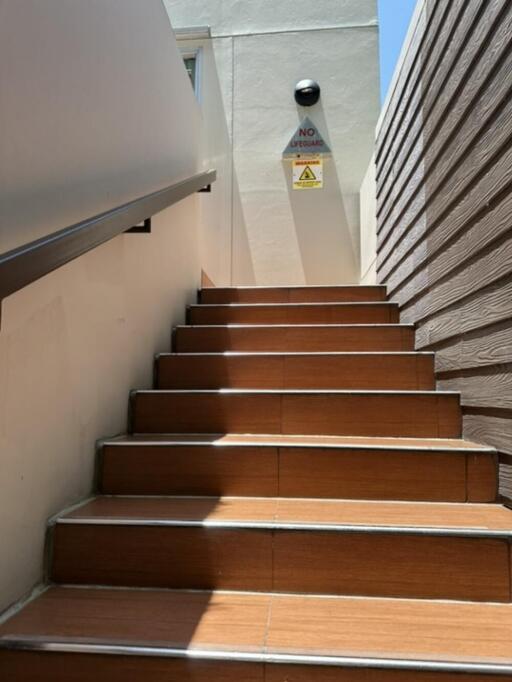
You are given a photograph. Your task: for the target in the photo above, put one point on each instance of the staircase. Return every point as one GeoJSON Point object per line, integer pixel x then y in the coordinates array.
{"type": "Point", "coordinates": [294, 502]}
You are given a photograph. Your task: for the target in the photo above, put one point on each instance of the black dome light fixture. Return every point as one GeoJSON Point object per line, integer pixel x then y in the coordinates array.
{"type": "Point", "coordinates": [307, 93]}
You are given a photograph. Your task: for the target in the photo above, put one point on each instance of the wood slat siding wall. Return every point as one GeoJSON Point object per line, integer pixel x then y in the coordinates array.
{"type": "Point", "coordinates": [444, 204]}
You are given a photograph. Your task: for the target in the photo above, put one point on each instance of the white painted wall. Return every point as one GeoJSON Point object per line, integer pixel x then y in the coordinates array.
{"type": "Point", "coordinates": [216, 132]}
{"type": "Point", "coordinates": [257, 53]}
{"type": "Point", "coordinates": [246, 17]}
{"type": "Point", "coordinates": [95, 109]}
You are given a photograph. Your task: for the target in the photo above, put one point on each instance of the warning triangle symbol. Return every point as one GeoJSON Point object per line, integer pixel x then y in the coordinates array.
{"type": "Point", "coordinates": [307, 174]}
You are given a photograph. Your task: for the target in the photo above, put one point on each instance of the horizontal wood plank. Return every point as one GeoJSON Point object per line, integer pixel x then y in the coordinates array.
{"type": "Point", "coordinates": [297, 294]}
{"type": "Point", "coordinates": [19, 666]}
{"type": "Point", "coordinates": [363, 371]}
{"type": "Point", "coordinates": [148, 557]}
{"type": "Point", "coordinates": [360, 565]}
{"type": "Point", "coordinates": [188, 470]}
{"type": "Point", "coordinates": [479, 310]}
{"type": "Point", "coordinates": [297, 313]}
{"type": "Point", "coordinates": [326, 338]}
{"type": "Point", "coordinates": [490, 387]}
{"type": "Point", "coordinates": [488, 267]}
{"type": "Point", "coordinates": [405, 414]}
{"type": "Point", "coordinates": [313, 472]}
{"type": "Point", "coordinates": [449, 253]}
{"type": "Point", "coordinates": [408, 629]}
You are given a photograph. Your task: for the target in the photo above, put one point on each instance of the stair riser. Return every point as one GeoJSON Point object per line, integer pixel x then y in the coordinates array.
{"type": "Point", "coordinates": [394, 372]}
{"type": "Point", "coordinates": [303, 673]}
{"type": "Point", "coordinates": [408, 415]}
{"type": "Point", "coordinates": [298, 472]}
{"type": "Point", "coordinates": [294, 295]}
{"type": "Point", "coordinates": [20, 666]}
{"type": "Point", "coordinates": [294, 340]}
{"type": "Point", "coordinates": [310, 561]}
{"type": "Point", "coordinates": [367, 313]}
{"type": "Point", "coordinates": [25, 666]}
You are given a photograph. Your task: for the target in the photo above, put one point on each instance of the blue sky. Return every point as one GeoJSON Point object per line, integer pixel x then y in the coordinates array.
{"type": "Point", "coordinates": [394, 18]}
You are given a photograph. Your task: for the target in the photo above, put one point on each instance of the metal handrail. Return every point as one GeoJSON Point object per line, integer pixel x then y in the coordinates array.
{"type": "Point", "coordinates": [28, 263]}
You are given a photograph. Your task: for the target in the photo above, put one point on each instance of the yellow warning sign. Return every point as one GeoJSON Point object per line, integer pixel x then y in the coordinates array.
{"type": "Point", "coordinates": [308, 174]}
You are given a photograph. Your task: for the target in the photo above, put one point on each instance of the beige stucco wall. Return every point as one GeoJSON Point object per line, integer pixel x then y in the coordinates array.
{"type": "Point", "coordinates": [71, 347]}
{"type": "Point", "coordinates": [368, 213]}
{"type": "Point", "coordinates": [257, 53]}
{"type": "Point", "coordinates": [96, 109]}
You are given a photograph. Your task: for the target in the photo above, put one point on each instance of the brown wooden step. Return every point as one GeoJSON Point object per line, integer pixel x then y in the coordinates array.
{"type": "Point", "coordinates": [417, 414]}
{"type": "Point", "coordinates": [293, 294]}
{"type": "Point", "coordinates": [400, 371]}
{"type": "Point", "coordinates": [335, 467]}
{"type": "Point", "coordinates": [392, 549]}
{"type": "Point", "coordinates": [72, 634]}
{"type": "Point", "coordinates": [294, 313]}
{"type": "Point", "coordinates": [294, 338]}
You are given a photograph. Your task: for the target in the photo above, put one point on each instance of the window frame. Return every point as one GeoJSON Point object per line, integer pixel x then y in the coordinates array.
{"type": "Point", "coordinates": [197, 54]}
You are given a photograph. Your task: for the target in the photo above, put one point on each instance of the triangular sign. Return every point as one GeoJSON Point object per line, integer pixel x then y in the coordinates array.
{"type": "Point", "coordinates": [307, 174]}
{"type": "Point", "coordinates": [306, 140]}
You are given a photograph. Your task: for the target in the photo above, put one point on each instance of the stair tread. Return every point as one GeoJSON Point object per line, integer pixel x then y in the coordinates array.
{"type": "Point", "coordinates": [220, 623]}
{"type": "Point", "coordinates": [274, 511]}
{"type": "Point", "coordinates": [283, 440]}
{"type": "Point", "coordinates": [285, 287]}
{"type": "Point", "coordinates": [246, 325]}
{"type": "Point", "coordinates": [295, 304]}
{"type": "Point", "coordinates": [305, 354]}
{"type": "Point", "coordinates": [300, 391]}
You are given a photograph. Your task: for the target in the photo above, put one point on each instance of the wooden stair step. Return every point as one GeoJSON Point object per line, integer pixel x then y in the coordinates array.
{"type": "Point", "coordinates": [287, 466]}
{"type": "Point", "coordinates": [313, 441]}
{"type": "Point", "coordinates": [329, 412]}
{"type": "Point", "coordinates": [401, 371]}
{"type": "Point", "coordinates": [447, 518]}
{"type": "Point", "coordinates": [293, 294]}
{"type": "Point", "coordinates": [296, 452]}
{"type": "Point", "coordinates": [294, 338]}
{"type": "Point", "coordinates": [159, 635]}
{"type": "Point", "coordinates": [293, 313]}
{"type": "Point", "coordinates": [391, 549]}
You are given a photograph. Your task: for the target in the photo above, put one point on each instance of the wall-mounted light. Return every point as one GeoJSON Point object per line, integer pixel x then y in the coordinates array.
{"type": "Point", "coordinates": [307, 93]}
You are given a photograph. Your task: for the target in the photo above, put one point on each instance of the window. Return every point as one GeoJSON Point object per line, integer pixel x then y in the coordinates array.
{"type": "Point", "coordinates": [192, 60]}
{"type": "Point", "coordinates": [191, 65]}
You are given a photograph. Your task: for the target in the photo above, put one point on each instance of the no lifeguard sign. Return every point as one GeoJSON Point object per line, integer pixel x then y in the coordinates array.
{"type": "Point", "coordinates": [306, 140]}
{"type": "Point", "coordinates": [308, 174]}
